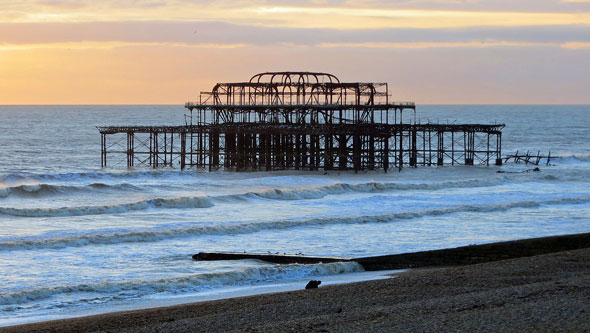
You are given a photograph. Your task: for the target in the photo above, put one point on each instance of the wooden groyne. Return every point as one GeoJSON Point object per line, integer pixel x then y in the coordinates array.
{"type": "Point", "coordinates": [475, 254]}
{"type": "Point", "coordinates": [300, 121]}
{"type": "Point", "coordinates": [465, 255]}
{"type": "Point", "coordinates": [269, 257]}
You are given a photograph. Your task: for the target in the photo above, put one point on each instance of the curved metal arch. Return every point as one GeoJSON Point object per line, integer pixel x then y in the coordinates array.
{"type": "Point", "coordinates": [215, 93]}
{"type": "Point", "coordinates": [290, 93]}
{"type": "Point", "coordinates": [305, 76]}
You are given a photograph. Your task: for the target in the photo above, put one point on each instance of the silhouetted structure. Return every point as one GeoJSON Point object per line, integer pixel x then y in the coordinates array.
{"type": "Point", "coordinates": [302, 120]}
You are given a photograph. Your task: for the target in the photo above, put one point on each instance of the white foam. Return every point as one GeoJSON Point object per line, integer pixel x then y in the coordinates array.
{"type": "Point", "coordinates": [315, 192]}
{"type": "Point", "coordinates": [48, 189]}
{"type": "Point", "coordinates": [251, 227]}
{"type": "Point", "coordinates": [182, 202]}
{"type": "Point", "coordinates": [197, 282]}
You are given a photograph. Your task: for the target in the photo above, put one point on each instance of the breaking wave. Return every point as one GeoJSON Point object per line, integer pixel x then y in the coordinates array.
{"type": "Point", "coordinates": [182, 202]}
{"type": "Point", "coordinates": [205, 202]}
{"type": "Point", "coordinates": [317, 192]}
{"type": "Point", "coordinates": [49, 189]}
{"type": "Point", "coordinates": [126, 174]}
{"type": "Point", "coordinates": [251, 227]}
{"type": "Point", "coordinates": [340, 188]}
{"type": "Point", "coordinates": [571, 159]}
{"type": "Point", "coordinates": [191, 283]}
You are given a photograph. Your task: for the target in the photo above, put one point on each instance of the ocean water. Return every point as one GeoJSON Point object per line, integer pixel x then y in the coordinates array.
{"type": "Point", "coordinates": [78, 239]}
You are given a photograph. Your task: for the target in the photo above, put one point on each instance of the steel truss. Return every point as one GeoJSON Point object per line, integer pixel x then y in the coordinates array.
{"type": "Point", "coordinates": [301, 121]}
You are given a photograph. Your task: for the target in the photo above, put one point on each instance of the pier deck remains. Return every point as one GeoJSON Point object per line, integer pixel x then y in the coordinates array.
{"type": "Point", "coordinates": [300, 121]}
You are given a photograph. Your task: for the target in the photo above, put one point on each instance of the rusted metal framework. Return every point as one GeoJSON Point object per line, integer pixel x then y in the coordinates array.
{"type": "Point", "coordinates": [302, 121]}
{"type": "Point", "coordinates": [296, 98]}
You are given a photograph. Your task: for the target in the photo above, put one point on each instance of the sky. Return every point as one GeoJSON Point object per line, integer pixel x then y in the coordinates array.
{"type": "Point", "coordinates": [167, 51]}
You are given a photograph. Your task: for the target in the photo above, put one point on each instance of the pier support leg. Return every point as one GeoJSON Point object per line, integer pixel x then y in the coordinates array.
{"type": "Point", "coordinates": [229, 150]}
{"type": "Point", "coordinates": [297, 152]}
{"type": "Point", "coordinates": [452, 148]}
{"type": "Point", "coordinates": [182, 151]}
{"type": "Point", "coordinates": [329, 154]}
{"type": "Point", "coordinates": [156, 156]}
{"type": "Point", "coordinates": [268, 151]}
{"type": "Point", "coordinates": [469, 147]}
{"type": "Point", "coordinates": [401, 150]}
{"type": "Point", "coordinates": [385, 153]}
{"type": "Point", "coordinates": [499, 149]}
{"type": "Point", "coordinates": [214, 159]}
{"type": "Point", "coordinates": [342, 152]}
{"type": "Point", "coordinates": [103, 150]}
{"type": "Point", "coordinates": [414, 150]}
{"type": "Point", "coordinates": [371, 152]}
{"type": "Point", "coordinates": [440, 148]}
{"type": "Point", "coordinates": [356, 152]}
{"type": "Point", "coordinates": [130, 152]}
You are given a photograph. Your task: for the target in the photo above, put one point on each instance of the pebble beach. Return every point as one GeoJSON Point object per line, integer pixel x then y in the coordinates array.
{"type": "Point", "coordinates": [542, 293]}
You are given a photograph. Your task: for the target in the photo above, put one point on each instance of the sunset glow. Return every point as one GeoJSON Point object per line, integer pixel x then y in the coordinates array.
{"type": "Point", "coordinates": [141, 52]}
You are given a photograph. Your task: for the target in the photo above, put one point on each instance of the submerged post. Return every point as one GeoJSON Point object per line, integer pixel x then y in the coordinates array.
{"type": "Point", "coordinates": [103, 150]}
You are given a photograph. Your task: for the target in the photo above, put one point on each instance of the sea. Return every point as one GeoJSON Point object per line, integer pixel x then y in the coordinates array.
{"type": "Point", "coordinates": [76, 239]}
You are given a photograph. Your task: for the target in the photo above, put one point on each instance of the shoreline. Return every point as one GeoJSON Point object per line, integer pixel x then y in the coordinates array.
{"type": "Point", "coordinates": [214, 295]}
{"type": "Point", "coordinates": [542, 292]}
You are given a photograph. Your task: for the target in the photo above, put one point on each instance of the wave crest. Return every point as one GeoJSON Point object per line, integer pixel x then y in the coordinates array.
{"type": "Point", "coordinates": [40, 189]}
{"type": "Point", "coordinates": [318, 192]}
{"type": "Point", "coordinates": [251, 227]}
{"type": "Point", "coordinates": [191, 283]}
{"type": "Point", "coordinates": [182, 202]}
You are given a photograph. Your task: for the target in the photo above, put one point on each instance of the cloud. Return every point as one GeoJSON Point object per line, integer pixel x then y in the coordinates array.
{"type": "Point", "coordinates": [162, 74]}
{"type": "Point", "coordinates": [62, 4]}
{"type": "Point", "coordinates": [428, 45]}
{"type": "Point", "coordinates": [344, 15]}
{"type": "Point", "coordinates": [576, 45]}
{"type": "Point", "coordinates": [371, 18]}
{"type": "Point", "coordinates": [109, 45]}
{"type": "Point", "coordinates": [220, 33]}
{"type": "Point", "coordinates": [163, 51]}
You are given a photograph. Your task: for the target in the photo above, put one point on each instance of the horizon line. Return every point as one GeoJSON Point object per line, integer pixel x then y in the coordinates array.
{"type": "Point", "coordinates": [174, 104]}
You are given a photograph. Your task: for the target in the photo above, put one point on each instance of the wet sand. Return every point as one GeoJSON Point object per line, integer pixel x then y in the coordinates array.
{"type": "Point", "coordinates": [548, 292]}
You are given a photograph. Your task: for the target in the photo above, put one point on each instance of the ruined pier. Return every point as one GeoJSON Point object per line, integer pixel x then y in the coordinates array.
{"type": "Point", "coordinates": [300, 121]}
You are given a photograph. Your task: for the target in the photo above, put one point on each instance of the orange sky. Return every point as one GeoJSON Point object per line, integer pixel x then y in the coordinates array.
{"type": "Point", "coordinates": [166, 51]}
